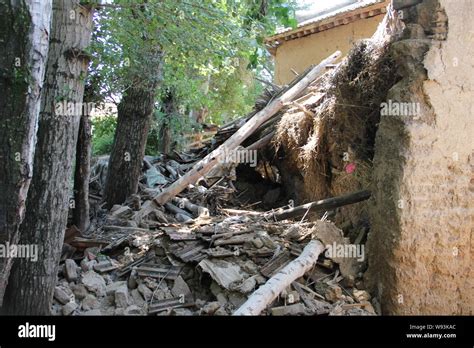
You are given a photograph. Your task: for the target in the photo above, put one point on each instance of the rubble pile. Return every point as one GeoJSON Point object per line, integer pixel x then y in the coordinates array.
{"type": "Point", "coordinates": [186, 244]}
{"type": "Point", "coordinates": [181, 259]}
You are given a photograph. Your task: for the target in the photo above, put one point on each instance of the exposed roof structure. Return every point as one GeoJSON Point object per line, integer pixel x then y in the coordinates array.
{"type": "Point", "coordinates": [340, 16]}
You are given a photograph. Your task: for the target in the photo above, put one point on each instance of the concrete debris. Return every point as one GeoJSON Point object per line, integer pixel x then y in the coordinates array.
{"type": "Point", "coordinates": [145, 292]}
{"type": "Point", "coordinates": [294, 309]}
{"type": "Point", "coordinates": [225, 273]}
{"type": "Point", "coordinates": [79, 291]}
{"type": "Point", "coordinates": [69, 308]}
{"type": "Point", "coordinates": [90, 302]}
{"type": "Point", "coordinates": [160, 277]}
{"type": "Point", "coordinates": [201, 253]}
{"type": "Point", "coordinates": [70, 270]}
{"type": "Point", "coordinates": [180, 288]}
{"type": "Point", "coordinates": [62, 295]}
{"type": "Point", "coordinates": [133, 310]}
{"type": "Point", "coordinates": [121, 297]}
{"type": "Point", "coordinates": [94, 283]}
{"type": "Point", "coordinates": [93, 312]}
{"type": "Point", "coordinates": [113, 287]}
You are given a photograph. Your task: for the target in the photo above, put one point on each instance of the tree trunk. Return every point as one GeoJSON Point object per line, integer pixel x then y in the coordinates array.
{"type": "Point", "coordinates": [31, 285]}
{"type": "Point", "coordinates": [169, 109]}
{"type": "Point", "coordinates": [82, 175]}
{"type": "Point", "coordinates": [125, 163]}
{"type": "Point", "coordinates": [134, 117]}
{"type": "Point", "coordinates": [165, 137]}
{"type": "Point", "coordinates": [24, 45]}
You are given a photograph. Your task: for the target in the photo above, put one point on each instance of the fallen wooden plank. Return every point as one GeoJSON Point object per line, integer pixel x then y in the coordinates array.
{"type": "Point", "coordinates": [227, 235]}
{"type": "Point", "coordinates": [268, 292]}
{"type": "Point", "coordinates": [127, 228]}
{"type": "Point", "coordinates": [146, 209]}
{"type": "Point", "coordinates": [237, 239]}
{"type": "Point", "coordinates": [208, 162]}
{"type": "Point", "coordinates": [322, 205]}
{"type": "Point", "coordinates": [219, 252]}
{"type": "Point", "coordinates": [314, 306]}
{"type": "Point", "coordinates": [239, 212]}
{"type": "Point", "coordinates": [158, 271]}
{"type": "Point", "coordinates": [179, 233]}
{"type": "Point", "coordinates": [83, 243]}
{"type": "Point", "coordinates": [293, 309]}
{"type": "Point", "coordinates": [116, 244]}
{"type": "Point", "coordinates": [127, 268]}
{"type": "Point", "coordinates": [162, 305]}
{"type": "Point", "coordinates": [190, 251]}
{"type": "Point", "coordinates": [274, 265]}
{"type": "Point", "coordinates": [261, 142]}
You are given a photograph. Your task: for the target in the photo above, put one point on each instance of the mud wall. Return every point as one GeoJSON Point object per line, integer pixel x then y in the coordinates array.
{"type": "Point", "coordinates": [301, 53]}
{"type": "Point", "coordinates": [421, 244]}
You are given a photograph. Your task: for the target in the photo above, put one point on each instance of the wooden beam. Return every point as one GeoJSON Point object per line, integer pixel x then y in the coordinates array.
{"type": "Point", "coordinates": [322, 205]}
{"type": "Point", "coordinates": [268, 292]}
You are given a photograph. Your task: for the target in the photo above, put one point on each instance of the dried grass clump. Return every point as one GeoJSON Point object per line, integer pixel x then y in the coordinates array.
{"type": "Point", "coordinates": [342, 131]}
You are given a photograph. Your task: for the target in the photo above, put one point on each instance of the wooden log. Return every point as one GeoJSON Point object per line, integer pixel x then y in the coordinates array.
{"type": "Point", "coordinates": [197, 210]}
{"type": "Point", "coordinates": [175, 210]}
{"type": "Point", "coordinates": [322, 205]}
{"type": "Point", "coordinates": [261, 142]}
{"type": "Point", "coordinates": [208, 162]}
{"type": "Point", "coordinates": [269, 291]}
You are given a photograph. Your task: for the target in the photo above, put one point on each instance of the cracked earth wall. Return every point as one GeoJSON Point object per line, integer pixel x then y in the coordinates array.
{"type": "Point", "coordinates": [420, 247]}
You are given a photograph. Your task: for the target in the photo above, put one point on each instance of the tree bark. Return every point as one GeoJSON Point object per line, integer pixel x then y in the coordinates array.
{"type": "Point", "coordinates": [31, 285]}
{"type": "Point", "coordinates": [208, 162]}
{"type": "Point", "coordinates": [169, 109]}
{"type": "Point", "coordinates": [24, 43]}
{"type": "Point", "coordinates": [82, 175]}
{"type": "Point", "coordinates": [269, 291]}
{"type": "Point", "coordinates": [134, 116]}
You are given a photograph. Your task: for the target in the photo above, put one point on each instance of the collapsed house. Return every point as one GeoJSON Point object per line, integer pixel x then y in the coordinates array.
{"type": "Point", "coordinates": [214, 237]}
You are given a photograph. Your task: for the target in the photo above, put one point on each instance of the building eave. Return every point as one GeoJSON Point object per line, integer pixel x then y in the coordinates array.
{"type": "Point", "coordinates": [310, 28]}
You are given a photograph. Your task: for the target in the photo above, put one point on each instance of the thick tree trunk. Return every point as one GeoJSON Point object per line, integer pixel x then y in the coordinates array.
{"type": "Point", "coordinates": [125, 163]}
{"type": "Point", "coordinates": [82, 175]}
{"type": "Point", "coordinates": [134, 117]}
{"type": "Point", "coordinates": [24, 45]}
{"type": "Point", "coordinates": [31, 284]}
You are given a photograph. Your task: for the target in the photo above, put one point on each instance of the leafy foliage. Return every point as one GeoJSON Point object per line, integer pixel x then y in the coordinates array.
{"type": "Point", "coordinates": [103, 130]}
{"type": "Point", "coordinates": [213, 50]}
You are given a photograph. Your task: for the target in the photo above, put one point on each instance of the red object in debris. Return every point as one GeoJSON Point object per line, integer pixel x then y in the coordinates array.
{"type": "Point", "coordinates": [350, 168]}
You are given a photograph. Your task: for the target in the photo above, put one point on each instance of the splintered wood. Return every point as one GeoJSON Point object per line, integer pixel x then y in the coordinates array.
{"type": "Point", "coordinates": [261, 298]}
